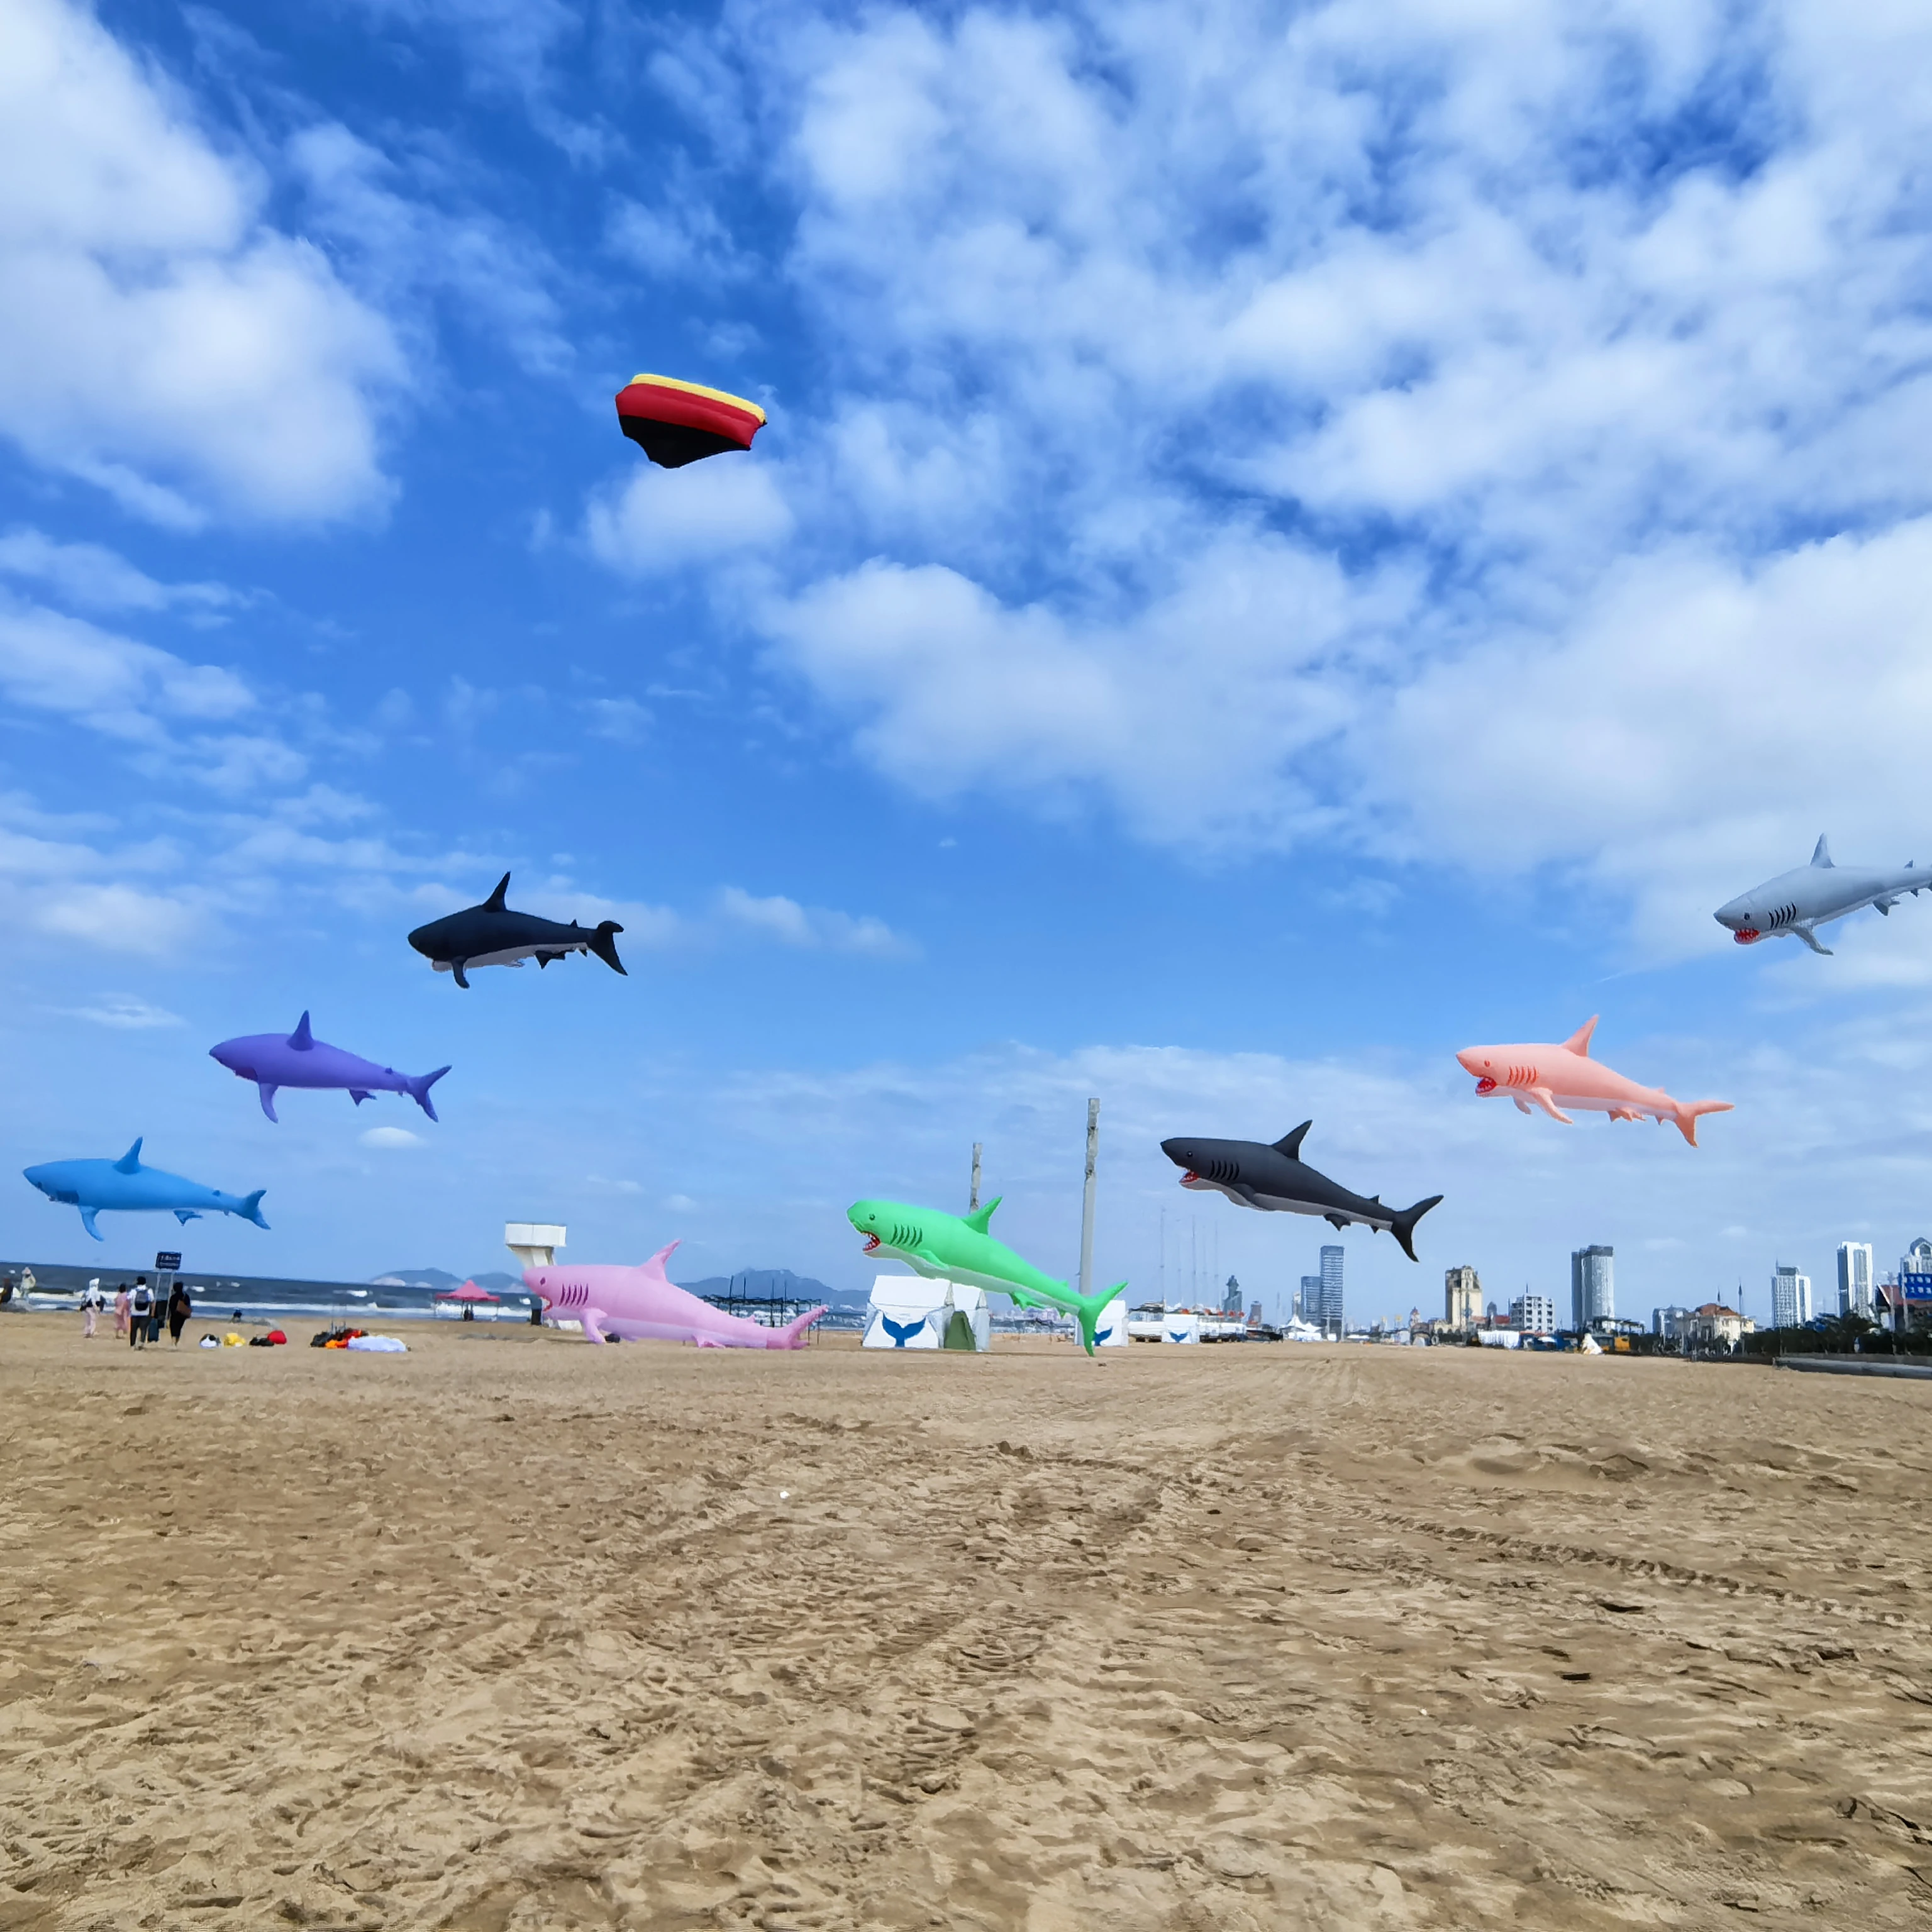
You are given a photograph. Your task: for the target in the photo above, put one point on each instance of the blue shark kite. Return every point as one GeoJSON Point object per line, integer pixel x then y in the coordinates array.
{"type": "Point", "coordinates": [125, 1186]}
{"type": "Point", "coordinates": [1799, 902]}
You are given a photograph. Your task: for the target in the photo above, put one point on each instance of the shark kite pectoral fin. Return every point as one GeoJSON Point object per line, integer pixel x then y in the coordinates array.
{"type": "Point", "coordinates": [1522, 1105]}
{"type": "Point", "coordinates": [592, 1319]}
{"type": "Point", "coordinates": [266, 1089]}
{"type": "Point", "coordinates": [1811, 939]}
{"type": "Point", "coordinates": [456, 967]}
{"type": "Point", "coordinates": [1547, 1101]}
{"type": "Point", "coordinates": [87, 1215]}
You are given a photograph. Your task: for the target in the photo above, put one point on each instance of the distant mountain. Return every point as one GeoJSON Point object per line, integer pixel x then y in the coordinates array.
{"type": "Point", "coordinates": [441, 1278]}
{"type": "Point", "coordinates": [778, 1283]}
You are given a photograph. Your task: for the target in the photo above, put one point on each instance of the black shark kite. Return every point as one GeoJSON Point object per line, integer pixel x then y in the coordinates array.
{"type": "Point", "coordinates": [491, 934]}
{"type": "Point", "coordinates": [1252, 1175]}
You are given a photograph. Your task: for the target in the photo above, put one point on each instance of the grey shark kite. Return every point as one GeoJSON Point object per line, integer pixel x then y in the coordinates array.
{"type": "Point", "coordinates": [1253, 1174]}
{"type": "Point", "coordinates": [491, 934]}
{"type": "Point", "coordinates": [1800, 902]}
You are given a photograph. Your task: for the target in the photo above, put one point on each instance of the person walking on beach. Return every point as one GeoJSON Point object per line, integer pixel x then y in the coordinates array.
{"type": "Point", "coordinates": [179, 1309]}
{"type": "Point", "coordinates": [140, 1306]}
{"type": "Point", "coordinates": [157, 1315]}
{"type": "Point", "coordinates": [91, 1305]}
{"type": "Point", "coordinates": [121, 1306]}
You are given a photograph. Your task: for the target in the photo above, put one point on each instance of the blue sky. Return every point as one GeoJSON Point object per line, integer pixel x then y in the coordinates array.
{"type": "Point", "coordinates": [1289, 541]}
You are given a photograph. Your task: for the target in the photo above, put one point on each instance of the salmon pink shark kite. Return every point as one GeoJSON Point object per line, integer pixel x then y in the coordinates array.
{"type": "Point", "coordinates": [1555, 1077]}
{"type": "Point", "coordinates": [640, 1304]}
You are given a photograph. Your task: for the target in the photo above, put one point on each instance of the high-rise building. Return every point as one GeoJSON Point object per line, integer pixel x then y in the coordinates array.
{"type": "Point", "coordinates": [1533, 1314]}
{"type": "Point", "coordinates": [1231, 1298]}
{"type": "Point", "coordinates": [1790, 1298]}
{"type": "Point", "coordinates": [1328, 1291]}
{"type": "Point", "coordinates": [1593, 1295]}
{"type": "Point", "coordinates": [1854, 1278]}
{"type": "Point", "coordinates": [1308, 1300]}
{"type": "Point", "coordinates": [1462, 1297]}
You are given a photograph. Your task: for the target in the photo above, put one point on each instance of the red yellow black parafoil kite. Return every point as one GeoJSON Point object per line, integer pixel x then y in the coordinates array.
{"type": "Point", "coordinates": [676, 423]}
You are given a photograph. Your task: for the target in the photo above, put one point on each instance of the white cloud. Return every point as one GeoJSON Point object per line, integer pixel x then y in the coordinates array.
{"type": "Point", "coordinates": [810, 928]}
{"type": "Point", "coordinates": [158, 338]}
{"type": "Point", "coordinates": [89, 576]}
{"type": "Point", "coordinates": [657, 520]}
{"type": "Point", "coordinates": [389, 1137]}
{"type": "Point", "coordinates": [125, 1011]}
{"type": "Point", "coordinates": [1492, 433]}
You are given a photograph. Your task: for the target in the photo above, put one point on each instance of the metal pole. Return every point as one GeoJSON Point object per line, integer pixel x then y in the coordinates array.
{"type": "Point", "coordinates": [1087, 1199]}
{"type": "Point", "coordinates": [973, 1205]}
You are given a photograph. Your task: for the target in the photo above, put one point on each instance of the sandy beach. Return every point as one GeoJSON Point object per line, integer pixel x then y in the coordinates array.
{"type": "Point", "coordinates": [512, 1632]}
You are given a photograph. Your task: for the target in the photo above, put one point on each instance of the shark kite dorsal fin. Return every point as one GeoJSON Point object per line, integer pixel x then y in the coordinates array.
{"type": "Point", "coordinates": [301, 1040]}
{"type": "Point", "coordinates": [1821, 854]}
{"type": "Point", "coordinates": [494, 903]}
{"type": "Point", "coordinates": [1578, 1042]}
{"type": "Point", "coordinates": [1291, 1144]}
{"type": "Point", "coordinates": [130, 1163]}
{"type": "Point", "coordinates": [978, 1219]}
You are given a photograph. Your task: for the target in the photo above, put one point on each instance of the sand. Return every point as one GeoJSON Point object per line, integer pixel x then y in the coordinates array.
{"type": "Point", "coordinates": [514, 1632]}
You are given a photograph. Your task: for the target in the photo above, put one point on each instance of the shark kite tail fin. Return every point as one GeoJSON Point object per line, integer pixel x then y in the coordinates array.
{"type": "Point", "coordinates": [603, 942]}
{"type": "Point", "coordinates": [251, 1207]}
{"type": "Point", "coordinates": [1403, 1226]}
{"type": "Point", "coordinates": [1088, 1309]}
{"type": "Point", "coordinates": [792, 1335]}
{"type": "Point", "coordinates": [417, 1090]}
{"type": "Point", "coordinates": [1689, 1111]}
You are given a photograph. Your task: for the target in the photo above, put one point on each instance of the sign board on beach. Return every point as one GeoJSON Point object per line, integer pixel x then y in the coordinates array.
{"type": "Point", "coordinates": [168, 1262]}
{"type": "Point", "coordinates": [1915, 1287]}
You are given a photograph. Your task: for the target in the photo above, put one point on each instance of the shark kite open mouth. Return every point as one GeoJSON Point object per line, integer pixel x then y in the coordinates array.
{"type": "Point", "coordinates": [1486, 1085]}
{"type": "Point", "coordinates": [1745, 934]}
{"type": "Point", "coordinates": [871, 1247]}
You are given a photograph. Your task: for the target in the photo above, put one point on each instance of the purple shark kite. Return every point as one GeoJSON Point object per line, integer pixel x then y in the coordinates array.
{"type": "Point", "coordinates": [298, 1059]}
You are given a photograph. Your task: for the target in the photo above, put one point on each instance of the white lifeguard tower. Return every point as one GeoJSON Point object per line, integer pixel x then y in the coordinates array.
{"type": "Point", "coordinates": [534, 1244]}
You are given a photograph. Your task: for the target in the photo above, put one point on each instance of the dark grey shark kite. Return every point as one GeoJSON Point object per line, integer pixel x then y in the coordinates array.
{"type": "Point", "coordinates": [491, 934]}
{"type": "Point", "coordinates": [1252, 1175]}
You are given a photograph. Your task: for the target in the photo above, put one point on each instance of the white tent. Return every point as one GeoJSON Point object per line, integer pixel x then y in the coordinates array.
{"type": "Point", "coordinates": [907, 1312]}
{"type": "Point", "coordinates": [1110, 1330]}
{"type": "Point", "coordinates": [1182, 1325]}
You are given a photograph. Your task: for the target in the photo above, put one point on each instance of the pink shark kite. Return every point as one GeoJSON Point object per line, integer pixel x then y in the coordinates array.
{"type": "Point", "coordinates": [1545, 1076]}
{"type": "Point", "coordinates": [640, 1304]}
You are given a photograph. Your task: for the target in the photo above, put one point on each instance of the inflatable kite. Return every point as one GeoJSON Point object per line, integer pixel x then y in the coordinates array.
{"type": "Point", "coordinates": [298, 1059]}
{"type": "Point", "coordinates": [1799, 902]}
{"type": "Point", "coordinates": [1555, 1077]}
{"type": "Point", "coordinates": [491, 934]}
{"type": "Point", "coordinates": [946, 1247]}
{"type": "Point", "coordinates": [675, 423]}
{"type": "Point", "coordinates": [641, 1304]}
{"type": "Point", "coordinates": [125, 1186]}
{"type": "Point", "coordinates": [1252, 1174]}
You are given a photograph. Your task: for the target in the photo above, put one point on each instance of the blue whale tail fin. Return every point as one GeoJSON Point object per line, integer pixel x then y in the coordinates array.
{"type": "Point", "coordinates": [417, 1090]}
{"type": "Point", "coordinates": [603, 942]}
{"type": "Point", "coordinates": [902, 1332]}
{"type": "Point", "coordinates": [1403, 1226]}
{"type": "Point", "coordinates": [251, 1207]}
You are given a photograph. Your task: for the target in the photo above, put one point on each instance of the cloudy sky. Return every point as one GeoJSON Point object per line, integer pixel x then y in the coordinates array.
{"type": "Point", "coordinates": [1290, 539]}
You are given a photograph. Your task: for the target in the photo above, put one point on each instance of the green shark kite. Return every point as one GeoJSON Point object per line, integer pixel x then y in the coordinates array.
{"type": "Point", "coordinates": [944, 1247]}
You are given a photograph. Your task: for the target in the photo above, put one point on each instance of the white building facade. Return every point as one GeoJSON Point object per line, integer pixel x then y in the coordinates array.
{"type": "Point", "coordinates": [1790, 1298]}
{"type": "Point", "coordinates": [1534, 1314]}
{"type": "Point", "coordinates": [1854, 1278]}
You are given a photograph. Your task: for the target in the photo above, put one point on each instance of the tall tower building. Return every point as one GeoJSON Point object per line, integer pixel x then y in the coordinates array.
{"type": "Point", "coordinates": [1592, 1286]}
{"type": "Point", "coordinates": [1308, 1301]}
{"type": "Point", "coordinates": [1462, 1297]}
{"type": "Point", "coordinates": [1854, 1278]}
{"type": "Point", "coordinates": [1790, 1298]}
{"type": "Point", "coordinates": [1332, 1318]}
